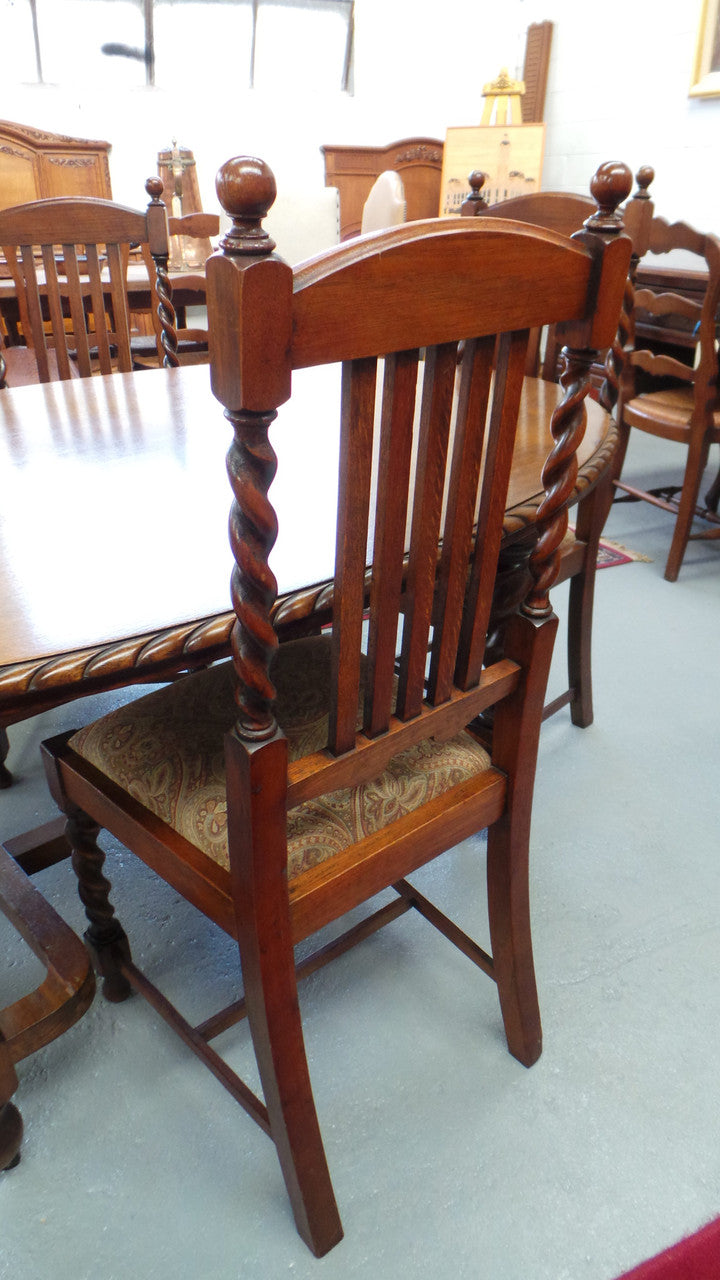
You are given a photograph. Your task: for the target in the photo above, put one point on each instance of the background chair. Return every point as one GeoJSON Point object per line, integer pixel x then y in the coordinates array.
{"type": "Point", "coordinates": [192, 340]}
{"type": "Point", "coordinates": [338, 779]}
{"type": "Point", "coordinates": [672, 392]}
{"type": "Point", "coordinates": [566, 213]}
{"type": "Point", "coordinates": [386, 205]}
{"type": "Point", "coordinates": [68, 258]}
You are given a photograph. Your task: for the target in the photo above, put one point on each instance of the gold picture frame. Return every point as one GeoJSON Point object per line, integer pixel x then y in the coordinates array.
{"type": "Point", "coordinates": [706, 70]}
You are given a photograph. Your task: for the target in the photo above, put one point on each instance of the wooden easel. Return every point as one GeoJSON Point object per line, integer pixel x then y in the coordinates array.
{"type": "Point", "coordinates": [502, 100]}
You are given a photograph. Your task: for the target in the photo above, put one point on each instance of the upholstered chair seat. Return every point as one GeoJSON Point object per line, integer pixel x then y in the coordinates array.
{"type": "Point", "coordinates": [166, 750]}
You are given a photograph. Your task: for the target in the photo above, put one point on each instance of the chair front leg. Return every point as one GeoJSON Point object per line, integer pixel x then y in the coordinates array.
{"type": "Point", "coordinates": [258, 854]}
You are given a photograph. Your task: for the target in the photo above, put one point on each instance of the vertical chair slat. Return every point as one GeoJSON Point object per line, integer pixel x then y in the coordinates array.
{"type": "Point", "coordinates": [120, 309]}
{"type": "Point", "coordinates": [437, 397]}
{"type": "Point", "coordinates": [97, 299]}
{"type": "Point", "coordinates": [469, 436]}
{"type": "Point", "coordinates": [36, 337]}
{"type": "Point", "coordinates": [507, 390]}
{"type": "Point", "coordinates": [78, 314]}
{"type": "Point", "coordinates": [398, 410]}
{"type": "Point", "coordinates": [356, 435]}
{"type": "Point", "coordinates": [55, 308]}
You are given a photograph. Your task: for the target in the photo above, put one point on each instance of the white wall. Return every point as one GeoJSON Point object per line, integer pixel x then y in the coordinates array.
{"type": "Point", "coordinates": [618, 86]}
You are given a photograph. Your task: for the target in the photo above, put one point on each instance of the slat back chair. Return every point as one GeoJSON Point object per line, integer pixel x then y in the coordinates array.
{"type": "Point", "coordinates": [68, 258]}
{"type": "Point", "coordinates": [555, 211]}
{"type": "Point", "coordinates": [339, 777]}
{"type": "Point", "coordinates": [670, 397]}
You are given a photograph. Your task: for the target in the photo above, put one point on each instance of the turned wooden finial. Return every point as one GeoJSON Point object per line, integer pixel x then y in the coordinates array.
{"type": "Point", "coordinates": [154, 188]}
{"type": "Point", "coordinates": [246, 189]}
{"type": "Point", "coordinates": [610, 186]}
{"type": "Point", "coordinates": [644, 176]}
{"type": "Point", "coordinates": [475, 202]}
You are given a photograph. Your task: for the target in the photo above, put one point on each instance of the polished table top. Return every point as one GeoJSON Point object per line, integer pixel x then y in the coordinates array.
{"type": "Point", "coordinates": [113, 519]}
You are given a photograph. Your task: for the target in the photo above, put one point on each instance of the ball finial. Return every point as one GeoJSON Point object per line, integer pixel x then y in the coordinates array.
{"type": "Point", "coordinates": [610, 186]}
{"type": "Point", "coordinates": [246, 189]}
{"type": "Point", "coordinates": [154, 187]}
{"type": "Point", "coordinates": [644, 176]}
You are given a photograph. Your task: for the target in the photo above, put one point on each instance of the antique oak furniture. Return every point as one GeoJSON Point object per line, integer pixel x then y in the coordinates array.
{"type": "Point", "coordinates": [130, 624]}
{"type": "Point", "coordinates": [353, 171]}
{"type": "Point", "coordinates": [564, 212]}
{"type": "Point", "coordinates": [68, 258]}
{"type": "Point", "coordinates": [38, 165]}
{"type": "Point", "coordinates": [41, 1015]}
{"type": "Point", "coordinates": [85, 445]}
{"type": "Point", "coordinates": [279, 790]}
{"type": "Point", "coordinates": [674, 394]}
{"type": "Point", "coordinates": [192, 229]}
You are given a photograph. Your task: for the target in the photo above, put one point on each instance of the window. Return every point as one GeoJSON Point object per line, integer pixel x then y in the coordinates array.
{"type": "Point", "coordinates": [122, 43]}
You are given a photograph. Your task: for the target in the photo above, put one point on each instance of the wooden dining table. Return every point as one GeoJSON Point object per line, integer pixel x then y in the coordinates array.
{"type": "Point", "coordinates": [115, 568]}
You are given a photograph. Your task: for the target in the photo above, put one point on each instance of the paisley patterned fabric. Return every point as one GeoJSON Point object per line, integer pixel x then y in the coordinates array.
{"type": "Point", "coordinates": [166, 750]}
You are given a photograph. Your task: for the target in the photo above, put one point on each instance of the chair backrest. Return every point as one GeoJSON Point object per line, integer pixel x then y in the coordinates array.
{"type": "Point", "coordinates": [554, 210]}
{"type": "Point", "coordinates": [416, 315]}
{"type": "Point", "coordinates": [183, 232]}
{"type": "Point", "coordinates": [564, 212]}
{"type": "Point", "coordinates": [386, 205]}
{"type": "Point", "coordinates": [68, 258]}
{"type": "Point", "coordinates": [696, 362]}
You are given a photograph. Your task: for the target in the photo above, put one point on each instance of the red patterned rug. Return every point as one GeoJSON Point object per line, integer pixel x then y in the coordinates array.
{"type": "Point", "coordinates": [697, 1258]}
{"type": "Point", "coordinates": [611, 553]}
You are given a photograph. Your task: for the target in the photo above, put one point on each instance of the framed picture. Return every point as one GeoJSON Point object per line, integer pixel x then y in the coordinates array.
{"type": "Point", "coordinates": [706, 71]}
{"type": "Point", "coordinates": [511, 156]}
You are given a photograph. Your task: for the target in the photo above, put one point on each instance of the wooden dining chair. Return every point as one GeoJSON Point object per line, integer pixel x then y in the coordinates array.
{"type": "Point", "coordinates": [68, 258]}
{"type": "Point", "coordinates": [279, 790]}
{"type": "Point", "coordinates": [672, 393]}
{"type": "Point", "coordinates": [565, 212]}
{"type": "Point", "coordinates": [191, 340]}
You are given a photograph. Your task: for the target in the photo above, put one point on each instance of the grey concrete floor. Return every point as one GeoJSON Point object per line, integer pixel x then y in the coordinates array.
{"type": "Point", "coordinates": [449, 1159]}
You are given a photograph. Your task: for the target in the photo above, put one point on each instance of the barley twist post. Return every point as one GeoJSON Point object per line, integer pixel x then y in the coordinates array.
{"type": "Point", "coordinates": [163, 287]}
{"type": "Point", "coordinates": [244, 379]}
{"type": "Point", "coordinates": [106, 939]}
{"type": "Point", "coordinates": [610, 186]}
{"type": "Point", "coordinates": [638, 216]}
{"type": "Point", "coordinates": [251, 465]}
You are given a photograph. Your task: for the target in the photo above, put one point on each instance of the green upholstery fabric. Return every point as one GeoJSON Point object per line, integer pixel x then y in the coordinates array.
{"type": "Point", "coordinates": [166, 750]}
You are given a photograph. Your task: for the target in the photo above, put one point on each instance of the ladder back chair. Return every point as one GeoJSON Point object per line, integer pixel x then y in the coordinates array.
{"type": "Point", "coordinates": [673, 393]}
{"type": "Point", "coordinates": [68, 258]}
{"type": "Point", "coordinates": [280, 790]}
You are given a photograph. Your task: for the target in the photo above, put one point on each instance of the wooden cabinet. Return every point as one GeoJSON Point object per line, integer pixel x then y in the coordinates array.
{"type": "Point", "coordinates": [35, 164]}
{"type": "Point", "coordinates": [354, 169]}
